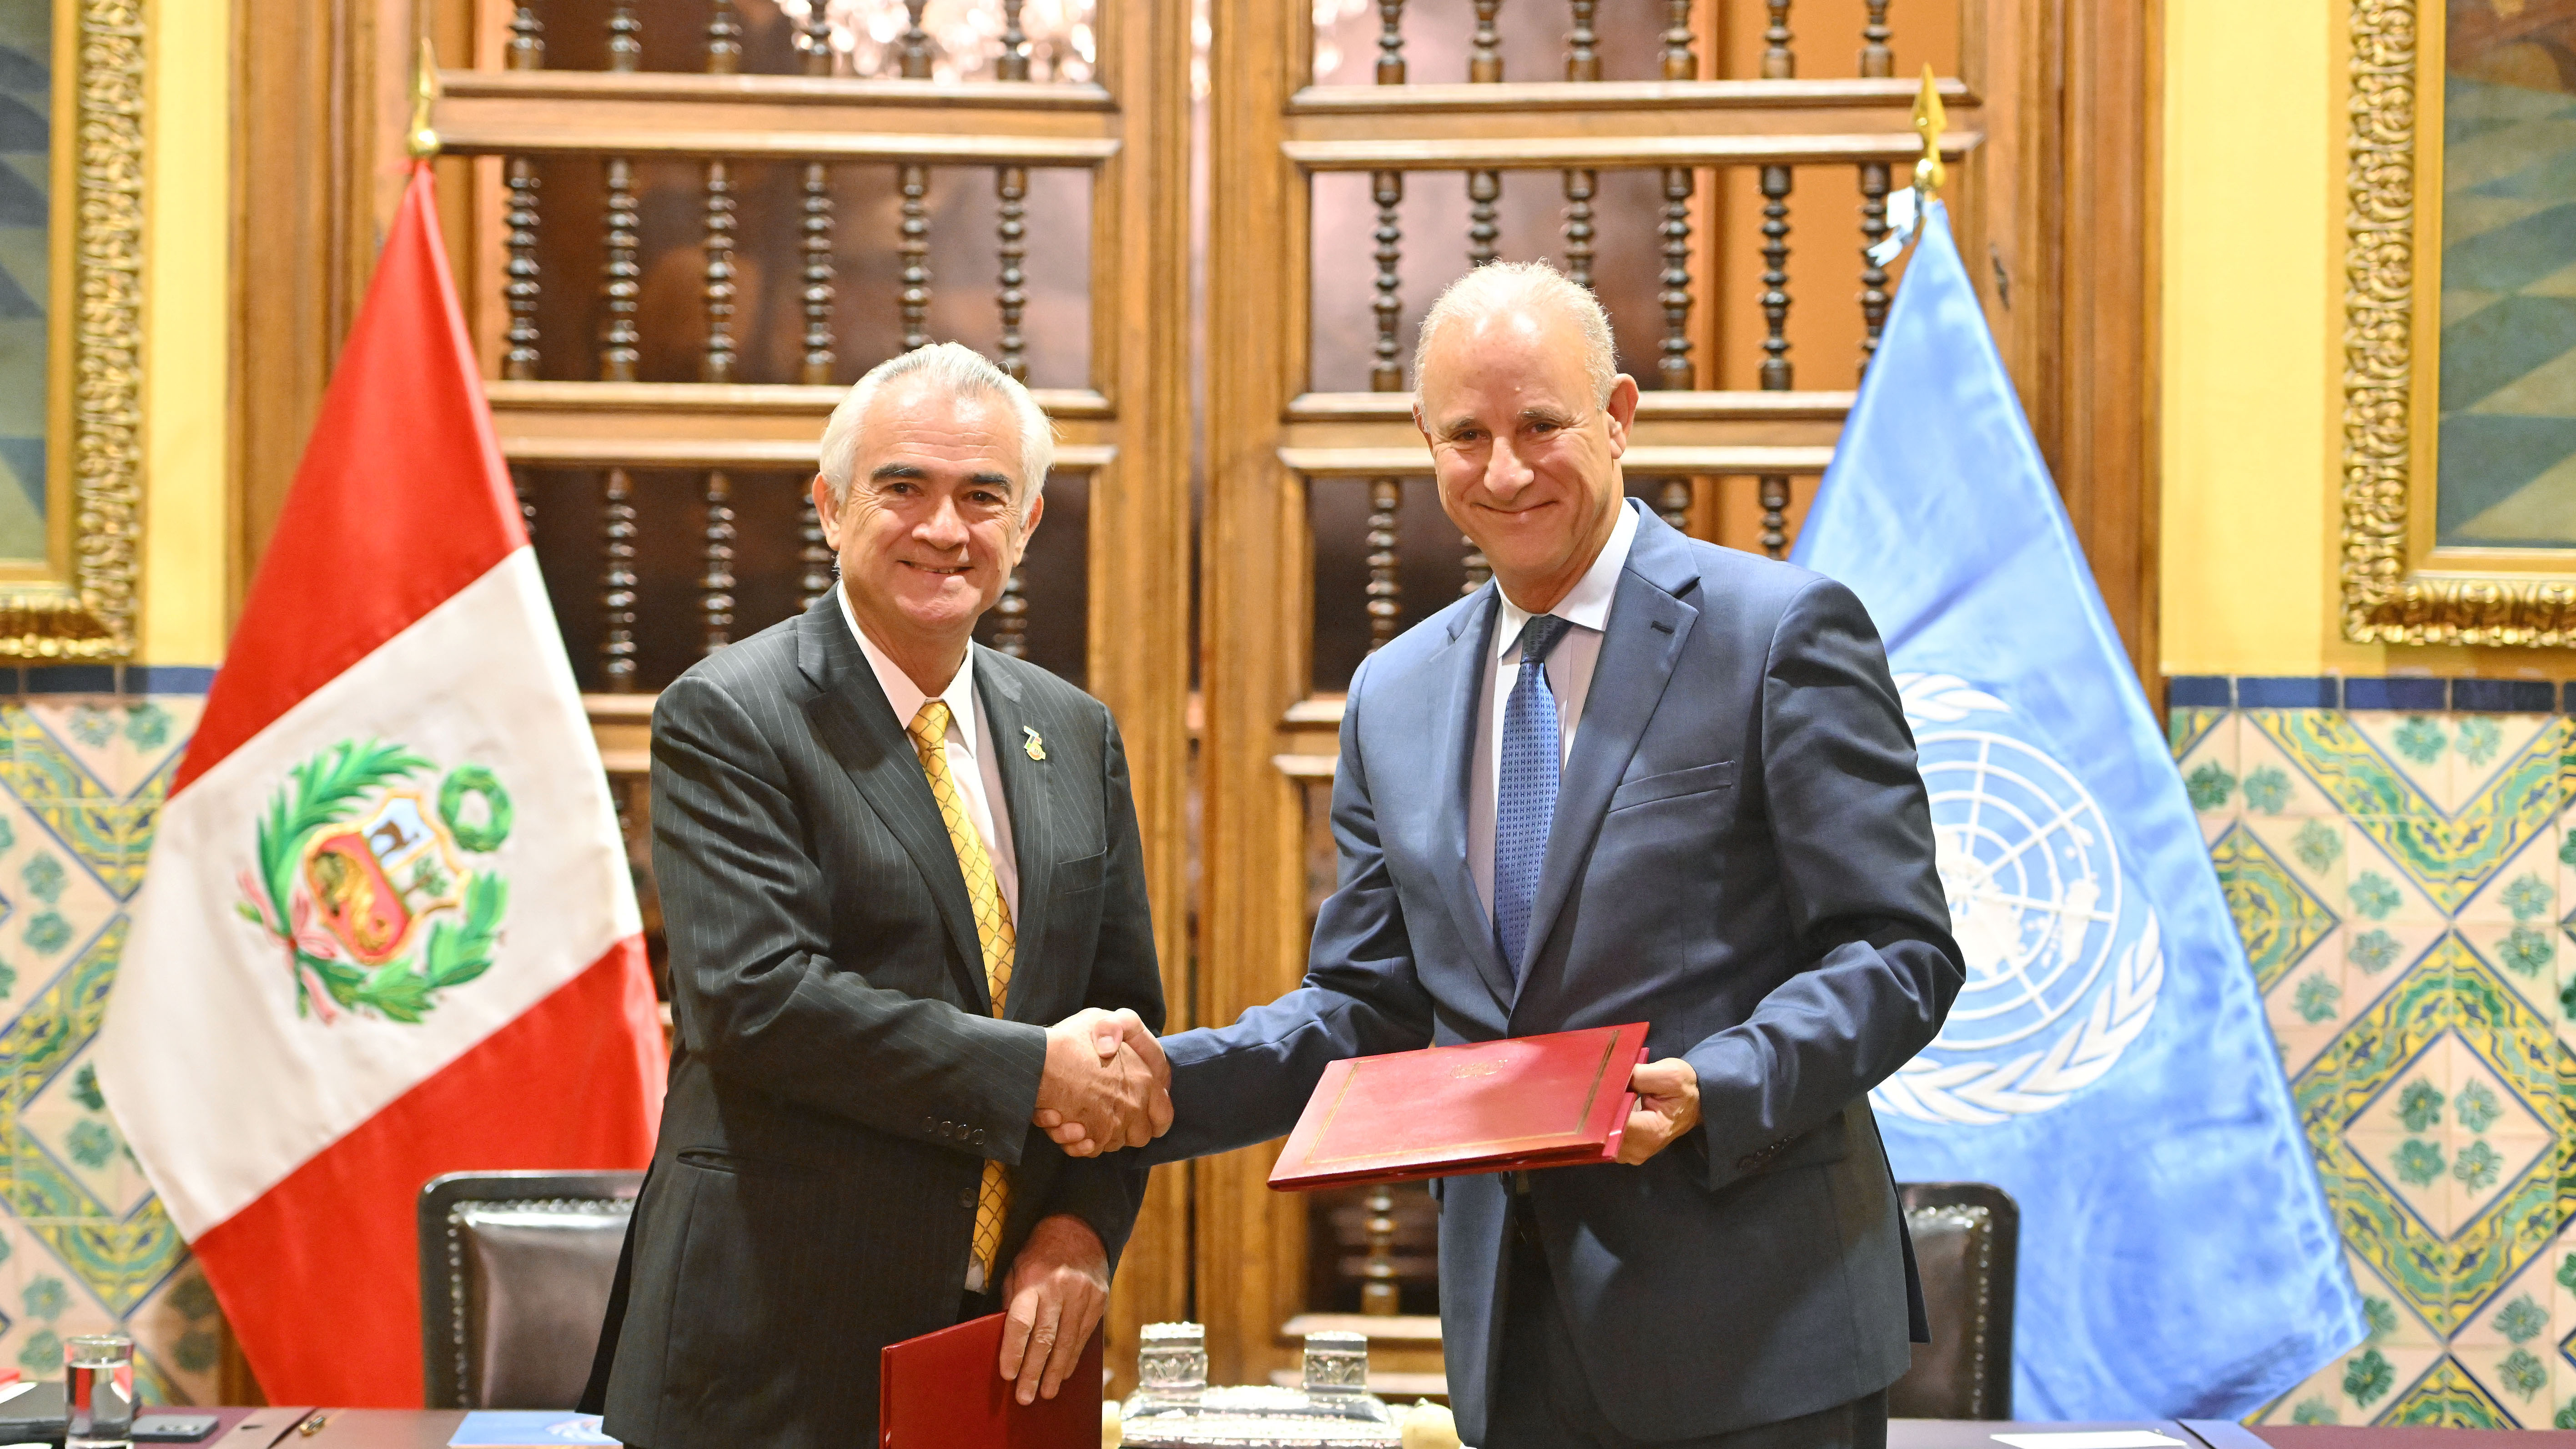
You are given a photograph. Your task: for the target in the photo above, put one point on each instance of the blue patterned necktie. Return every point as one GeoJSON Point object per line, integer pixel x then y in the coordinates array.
{"type": "Point", "coordinates": [1525, 788]}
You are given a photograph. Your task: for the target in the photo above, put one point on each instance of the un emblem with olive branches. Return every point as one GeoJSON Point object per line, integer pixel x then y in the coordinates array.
{"type": "Point", "coordinates": [2064, 954]}
{"type": "Point", "coordinates": [369, 879]}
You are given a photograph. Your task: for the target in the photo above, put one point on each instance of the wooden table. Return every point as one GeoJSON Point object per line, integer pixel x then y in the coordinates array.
{"type": "Point", "coordinates": [431, 1429]}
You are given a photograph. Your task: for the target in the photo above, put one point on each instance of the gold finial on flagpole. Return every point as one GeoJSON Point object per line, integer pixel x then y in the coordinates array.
{"type": "Point", "coordinates": [424, 94]}
{"type": "Point", "coordinates": [1929, 173]}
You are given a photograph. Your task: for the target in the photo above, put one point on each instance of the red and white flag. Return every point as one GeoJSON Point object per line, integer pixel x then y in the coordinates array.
{"type": "Point", "coordinates": [387, 929]}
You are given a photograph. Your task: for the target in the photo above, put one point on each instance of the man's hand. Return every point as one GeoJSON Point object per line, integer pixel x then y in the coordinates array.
{"type": "Point", "coordinates": [1106, 1084]}
{"type": "Point", "coordinates": [1056, 1290]}
{"type": "Point", "coordinates": [1667, 1106]}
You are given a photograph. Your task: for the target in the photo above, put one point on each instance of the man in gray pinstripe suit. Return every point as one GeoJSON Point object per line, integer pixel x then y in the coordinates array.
{"type": "Point", "coordinates": [887, 857]}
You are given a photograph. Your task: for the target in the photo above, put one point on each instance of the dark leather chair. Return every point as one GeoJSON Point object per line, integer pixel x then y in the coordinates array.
{"type": "Point", "coordinates": [515, 1269]}
{"type": "Point", "coordinates": [1966, 1236]}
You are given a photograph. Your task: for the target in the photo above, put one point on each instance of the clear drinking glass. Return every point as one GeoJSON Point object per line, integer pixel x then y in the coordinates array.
{"type": "Point", "coordinates": [98, 1392]}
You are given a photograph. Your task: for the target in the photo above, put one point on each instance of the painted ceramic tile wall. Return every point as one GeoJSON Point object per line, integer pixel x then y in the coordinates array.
{"type": "Point", "coordinates": [84, 1245]}
{"type": "Point", "coordinates": [2405, 881]}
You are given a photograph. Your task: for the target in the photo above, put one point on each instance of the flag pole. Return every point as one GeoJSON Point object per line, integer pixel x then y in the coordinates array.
{"type": "Point", "coordinates": [424, 95]}
{"type": "Point", "coordinates": [1929, 119]}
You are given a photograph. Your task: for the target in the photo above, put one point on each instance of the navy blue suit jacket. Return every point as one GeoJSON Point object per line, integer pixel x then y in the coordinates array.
{"type": "Point", "coordinates": [1742, 858]}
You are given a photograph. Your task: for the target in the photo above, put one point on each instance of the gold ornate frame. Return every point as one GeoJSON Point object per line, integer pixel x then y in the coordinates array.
{"type": "Point", "coordinates": [81, 604]}
{"type": "Point", "coordinates": [2398, 587]}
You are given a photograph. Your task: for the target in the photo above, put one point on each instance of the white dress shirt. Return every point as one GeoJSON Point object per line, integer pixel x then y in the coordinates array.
{"type": "Point", "coordinates": [977, 772]}
{"type": "Point", "coordinates": [1569, 666]}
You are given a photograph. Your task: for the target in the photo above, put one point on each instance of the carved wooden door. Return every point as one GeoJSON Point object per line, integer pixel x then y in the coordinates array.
{"type": "Point", "coordinates": [690, 224]}
{"type": "Point", "coordinates": [1723, 184]}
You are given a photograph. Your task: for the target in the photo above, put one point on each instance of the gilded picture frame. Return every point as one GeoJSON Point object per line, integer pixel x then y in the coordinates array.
{"type": "Point", "coordinates": [2411, 574]}
{"type": "Point", "coordinates": [74, 597]}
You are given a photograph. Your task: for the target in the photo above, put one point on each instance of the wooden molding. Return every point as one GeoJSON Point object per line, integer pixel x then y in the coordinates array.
{"type": "Point", "coordinates": [1679, 98]}
{"type": "Point", "coordinates": [1607, 139]}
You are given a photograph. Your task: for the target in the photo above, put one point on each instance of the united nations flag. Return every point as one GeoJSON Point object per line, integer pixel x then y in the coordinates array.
{"type": "Point", "coordinates": [2107, 1062]}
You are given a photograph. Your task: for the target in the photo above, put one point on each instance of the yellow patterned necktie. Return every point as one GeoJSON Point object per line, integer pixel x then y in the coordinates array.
{"type": "Point", "coordinates": [992, 928]}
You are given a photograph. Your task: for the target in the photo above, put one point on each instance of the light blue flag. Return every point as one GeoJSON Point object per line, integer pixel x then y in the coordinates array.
{"type": "Point", "coordinates": [2107, 1063]}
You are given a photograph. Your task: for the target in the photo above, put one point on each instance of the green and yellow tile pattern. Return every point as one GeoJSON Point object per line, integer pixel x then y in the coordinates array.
{"type": "Point", "coordinates": [2406, 888]}
{"type": "Point", "coordinates": [84, 1244]}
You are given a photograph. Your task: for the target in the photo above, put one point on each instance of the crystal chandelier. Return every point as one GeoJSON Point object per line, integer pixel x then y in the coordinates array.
{"type": "Point", "coordinates": [965, 36]}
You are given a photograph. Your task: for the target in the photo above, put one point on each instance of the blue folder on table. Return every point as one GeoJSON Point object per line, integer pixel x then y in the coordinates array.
{"type": "Point", "coordinates": [526, 1429]}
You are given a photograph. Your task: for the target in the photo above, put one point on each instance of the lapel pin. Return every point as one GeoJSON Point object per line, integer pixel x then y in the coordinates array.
{"type": "Point", "coordinates": [1035, 746]}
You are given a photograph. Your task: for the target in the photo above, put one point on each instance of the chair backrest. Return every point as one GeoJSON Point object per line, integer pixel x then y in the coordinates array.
{"type": "Point", "coordinates": [515, 1269]}
{"type": "Point", "coordinates": [1966, 1235]}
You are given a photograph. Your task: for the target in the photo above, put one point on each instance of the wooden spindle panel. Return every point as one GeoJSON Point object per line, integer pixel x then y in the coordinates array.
{"type": "Point", "coordinates": [1011, 187]}
{"type": "Point", "coordinates": [1873, 277]}
{"type": "Point", "coordinates": [715, 585]}
{"type": "Point", "coordinates": [1013, 65]}
{"type": "Point", "coordinates": [1011, 617]}
{"type": "Point", "coordinates": [1385, 585]}
{"type": "Point", "coordinates": [719, 363]}
{"type": "Point", "coordinates": [814, 41]}
{"type": "Point", "coordinates": [914, 44]}
{"type": "Point", "coordinates": [617, 582]}
{"type": "Point", "coordinates": [621, 276]}
{"type": "Point", "coordinates": [1673, 369]}
{"type": "Point", "coordinates": [1390, 42]}
{"type": "Point", "coordinates": [1385, 558]}
{"type": "Point", "coordinates": [522, 281]}
{"type": "Point", "coordinates": [1776, 367]}
{"type": "Point", "coordinates": [1877, 58]}
{"type": "Point", "coordinates": [526, 48]}
{"type": "Point", "coordinates": [625, 39]}
{"type": "Point", "coordinates": [814, 245]}
{"type": "Point", "coordinates": [1043, 614]}
{"type": "Point", "coordinates": [914, 183]}
{"type": "Point", "coordinates": [683, 560]}
{"type": "Point", "coordinates": [815, 555]}
{"type": "Point", "coordinates": [724, 38]}
{"type": "Point", "coordinates": [1484, 190]}
{"type": "Point", "coordinates": [524, 286]}
{"type": "Point", "coordinates": [1582, 53]}
{"type": "Point", "coordinates": [1386, 370]}
{"type": "Point", "coordinates": [1580, 187]}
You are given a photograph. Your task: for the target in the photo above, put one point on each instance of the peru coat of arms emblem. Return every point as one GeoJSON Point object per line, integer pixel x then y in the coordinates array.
{"type": "Point", "coordinates": [369, 878]}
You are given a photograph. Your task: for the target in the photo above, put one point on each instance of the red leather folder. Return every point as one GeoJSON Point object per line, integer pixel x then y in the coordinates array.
{"type": "Point", "coordinates": [945, 1390]}
{"type": "Point", "coordinates": [1559, 1100]}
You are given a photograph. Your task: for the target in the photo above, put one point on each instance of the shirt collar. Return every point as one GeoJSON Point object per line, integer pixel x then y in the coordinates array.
{"type": "Point", "coordinates": [904, 696]}
{"type": "Point", "coordinates": [1587, 604]}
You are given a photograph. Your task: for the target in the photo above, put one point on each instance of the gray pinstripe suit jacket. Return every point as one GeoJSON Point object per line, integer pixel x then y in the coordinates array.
{"type": "Point", "coordinates": [839, 1079]}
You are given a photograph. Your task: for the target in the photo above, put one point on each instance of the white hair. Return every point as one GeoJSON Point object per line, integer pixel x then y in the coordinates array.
{"type": "Point", "coordinates": [1504, 286]}
{"type": "Point", "coordinates": [958, 371]}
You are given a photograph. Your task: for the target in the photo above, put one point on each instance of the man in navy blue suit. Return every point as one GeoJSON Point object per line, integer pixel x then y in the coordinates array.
{"type": "Point", "coordinates": [1635, 778]}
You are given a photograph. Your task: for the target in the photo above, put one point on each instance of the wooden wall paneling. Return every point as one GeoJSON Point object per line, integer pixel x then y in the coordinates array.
{"type": "Point", "coordinates": [1140, 550]}
{"type": "Point", "coordinates": [321, 101]}
{"type": "Point", "coordinates": [290, 220]}
{"type": "Point", "coordinates": [1248, 1259]}
{"type": "Point", "coordinates": [2102, 445]}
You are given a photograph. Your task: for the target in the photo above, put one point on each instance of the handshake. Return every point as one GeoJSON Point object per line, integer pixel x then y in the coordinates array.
{"type": "Point", "coordinates": [1106, 1084]}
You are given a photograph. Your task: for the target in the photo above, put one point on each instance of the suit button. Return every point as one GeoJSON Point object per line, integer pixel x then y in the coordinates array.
{"type": "Point", "coordinates": [966, 1199]}
{"type": "Point", "coordinates": [929, 1124]}
{"type": "Point", "coordinates": [947, 1129]}
{"type": "Point", "coordinates": [1747, 1164]}
{"type": "Point", "coordinates": [979, 1136]}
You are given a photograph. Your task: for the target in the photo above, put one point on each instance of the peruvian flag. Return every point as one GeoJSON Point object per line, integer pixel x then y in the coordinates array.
{"type": "Point", "coordinates": [387, 930]}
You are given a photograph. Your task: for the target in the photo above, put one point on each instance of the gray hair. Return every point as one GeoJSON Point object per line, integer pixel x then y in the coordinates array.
{"type": "Point", "coordinates": [1501, 286]}
{"type": "Point", "coordinates": [959, 371]}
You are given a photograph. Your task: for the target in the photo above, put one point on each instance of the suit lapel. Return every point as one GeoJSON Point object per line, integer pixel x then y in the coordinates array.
{"type": "Point", "coordinates": [1026, 790]}
{"type": "Point", "coordinates": [1457, 677]}
{"type": "Point", "coordinates": [1647, 625]}
{"type": "Point", "coordinates": [855, 723]}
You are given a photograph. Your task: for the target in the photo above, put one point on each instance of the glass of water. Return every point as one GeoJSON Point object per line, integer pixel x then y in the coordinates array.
{"type": "Point", "coordinates": [98, 1392]}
